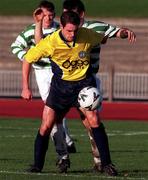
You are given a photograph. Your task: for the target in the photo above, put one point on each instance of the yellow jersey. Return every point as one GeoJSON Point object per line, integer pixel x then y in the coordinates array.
{"type": "Point", "coordinates": [69, 60]}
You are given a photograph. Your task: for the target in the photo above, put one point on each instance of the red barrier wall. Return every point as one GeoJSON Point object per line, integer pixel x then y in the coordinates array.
{"type": "Point", "coordinates": [113, 111]}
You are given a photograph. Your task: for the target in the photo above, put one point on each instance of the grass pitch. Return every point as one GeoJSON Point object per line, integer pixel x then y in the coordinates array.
{"type": "Point", "coordinates": [128, 144]}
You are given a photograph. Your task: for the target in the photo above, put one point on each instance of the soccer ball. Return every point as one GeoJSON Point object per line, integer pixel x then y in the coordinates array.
{"type": "Point", "coordinates": [90, 98]}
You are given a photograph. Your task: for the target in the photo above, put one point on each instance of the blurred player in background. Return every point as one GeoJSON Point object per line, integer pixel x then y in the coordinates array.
{"type": "Point", "coordinates": [43, 73]}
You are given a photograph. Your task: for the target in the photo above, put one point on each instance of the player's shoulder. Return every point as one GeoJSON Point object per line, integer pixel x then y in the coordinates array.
{"type": "Point", "coordinates": [30, 28]}
{"type": "Point", "coordinates": [53, 37]}
{"type": "Point", "coordinates": [55, 34]}
{"type": "Point", "coordinates": [85, 30]}
{"type": "Point", "coordinates": [97, 26]}
{"type": "Point", "coordinates": [86, 34]}
{"type": "Point", "coordinates": [54, 27]}
{"type": "Point", "coordinates": [93, 23]}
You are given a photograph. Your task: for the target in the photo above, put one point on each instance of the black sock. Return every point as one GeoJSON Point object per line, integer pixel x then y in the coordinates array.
{"type": "Point", "coordinates": [101, 140]}
{"type": "Point", "coordinates": [40, 148]}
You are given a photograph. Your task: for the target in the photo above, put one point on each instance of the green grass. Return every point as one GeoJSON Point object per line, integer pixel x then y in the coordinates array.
{"type": "Point", "coordinates": [101, 8]}
{"type": "Point", "coordinates": [128, 145]}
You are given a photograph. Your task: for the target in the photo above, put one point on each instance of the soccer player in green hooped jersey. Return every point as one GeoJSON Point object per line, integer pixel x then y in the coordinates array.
{"type": "Point", "coordinates": [110, 31]}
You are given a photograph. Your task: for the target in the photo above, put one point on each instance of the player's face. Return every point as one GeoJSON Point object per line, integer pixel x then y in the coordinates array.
{"type": "Point", "coordinates": [69, 31]}
{"type": "Point", "coordinates": [48, 17]}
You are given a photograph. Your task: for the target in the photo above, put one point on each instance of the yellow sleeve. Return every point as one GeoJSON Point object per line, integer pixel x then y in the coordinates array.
{"type": "Point", "coordinates": [42, 49]}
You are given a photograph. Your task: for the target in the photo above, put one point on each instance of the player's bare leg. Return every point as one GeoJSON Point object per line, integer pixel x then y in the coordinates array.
{"type": "Point", "coordinates": [42, 140]}
{"type": "Point", "coordinates": [41, 143]}
{"type": "Point", "coordinates": [95, 152]}
{"type": "Point", "coordinates": [101, 140]}
{"type": "Point", "coordinates": [96, 156]}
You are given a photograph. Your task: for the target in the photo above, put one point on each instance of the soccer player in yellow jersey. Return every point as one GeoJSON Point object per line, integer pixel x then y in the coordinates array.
{"type": "Point", "coordinates": [101, 27]}
{"type": "Point", "coordinates": [69, 49]}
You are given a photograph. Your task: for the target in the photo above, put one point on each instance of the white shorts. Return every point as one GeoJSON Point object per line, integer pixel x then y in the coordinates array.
{"type": "Point", "coordinates": [43, 79]}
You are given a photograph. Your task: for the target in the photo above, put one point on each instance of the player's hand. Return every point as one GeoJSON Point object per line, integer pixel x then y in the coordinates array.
{"type": "Point", "coordinates": [127, 33]}
{"type": "Point", "coordinates": [38, 15]}
{"type": "Point", "coordinates": [26, 94]}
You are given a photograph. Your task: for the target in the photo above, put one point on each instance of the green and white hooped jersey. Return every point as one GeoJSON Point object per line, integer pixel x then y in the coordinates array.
{"type": "Point", "coordinates": [103, 28]}
{"type": "Point", "coordinates": [25, 40]}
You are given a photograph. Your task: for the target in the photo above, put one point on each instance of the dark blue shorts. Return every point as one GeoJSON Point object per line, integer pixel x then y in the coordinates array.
{"type": "Point", "coordinates": [64, 94]}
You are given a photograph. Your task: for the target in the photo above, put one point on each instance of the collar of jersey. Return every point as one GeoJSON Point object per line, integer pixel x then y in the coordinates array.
{"type": "Point", "coordinates": [65, 41]}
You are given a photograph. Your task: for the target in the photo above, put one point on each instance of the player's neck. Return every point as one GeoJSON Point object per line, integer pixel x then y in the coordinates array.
{"type": "Point", "coordinates": [66, 41]}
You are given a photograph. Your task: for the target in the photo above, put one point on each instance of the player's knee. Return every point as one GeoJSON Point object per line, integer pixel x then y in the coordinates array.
{"type": "Point", "coordinates": [86, 123]}
{"type": "Point", "coordinates": [45, 130]}
{"type": "Point", "coordinates": [94, 124]}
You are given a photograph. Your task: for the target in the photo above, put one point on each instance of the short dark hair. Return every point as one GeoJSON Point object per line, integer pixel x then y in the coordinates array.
{"type": "Point", "coordinates": [70, 5]}
{"type": "Point", "coordinates": [47, 4]}
{"type": "Point", "coordinates": [69, 17]}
